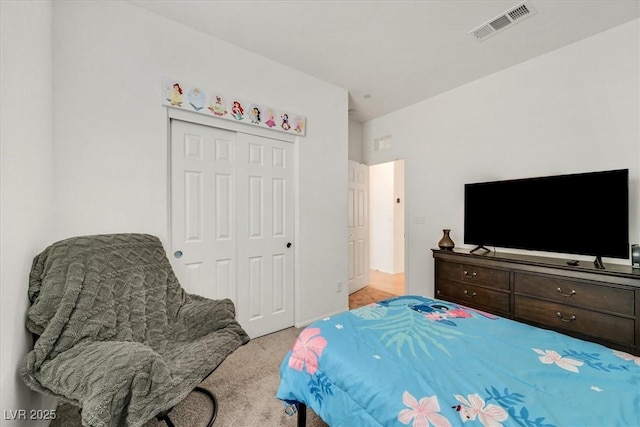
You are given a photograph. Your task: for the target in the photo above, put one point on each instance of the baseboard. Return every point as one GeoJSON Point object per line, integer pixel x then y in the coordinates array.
{"type": "Point", "coordinates": [304, 323]}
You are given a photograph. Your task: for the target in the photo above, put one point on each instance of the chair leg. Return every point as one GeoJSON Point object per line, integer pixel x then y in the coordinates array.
{"type": "Point", "coordinates": [214, 408]}
{"type": "Point", "coordinates": [165, 417]}
{"type": "Point", "coordinates": [214, 403]}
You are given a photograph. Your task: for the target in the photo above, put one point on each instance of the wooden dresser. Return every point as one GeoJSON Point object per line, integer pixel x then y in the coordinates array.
{"type": "Point", "coordinates": [596, 305]}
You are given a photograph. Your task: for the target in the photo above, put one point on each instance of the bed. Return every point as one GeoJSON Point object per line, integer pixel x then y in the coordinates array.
{"type": "Point", "coordinates": [418, 361]}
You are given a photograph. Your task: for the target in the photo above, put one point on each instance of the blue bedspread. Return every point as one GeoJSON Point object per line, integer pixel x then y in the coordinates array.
{"type": "Point", "coordinates": [420, 362]}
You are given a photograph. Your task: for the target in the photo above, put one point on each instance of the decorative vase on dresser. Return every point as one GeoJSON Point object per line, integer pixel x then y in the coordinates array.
{"type": "Point", "coordinates": [446, 244]}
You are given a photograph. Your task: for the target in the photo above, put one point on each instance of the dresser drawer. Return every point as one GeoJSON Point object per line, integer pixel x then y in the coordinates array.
{"type": "Point", "coordinates": [475, 296]}
{"type": "Point", "coordinates": [585, 295]}
{"type": "Point", "coordinates": [586, 322]}
{"type": "Point", "coordinates": [474, 274]}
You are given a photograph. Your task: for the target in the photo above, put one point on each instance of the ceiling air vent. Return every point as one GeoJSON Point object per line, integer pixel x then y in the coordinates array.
{"type": "Point", "coordinates": [512, 16]}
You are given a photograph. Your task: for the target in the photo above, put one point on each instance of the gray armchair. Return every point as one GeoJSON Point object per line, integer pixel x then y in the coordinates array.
{"type": "Point", "coordinates": [116, 333]}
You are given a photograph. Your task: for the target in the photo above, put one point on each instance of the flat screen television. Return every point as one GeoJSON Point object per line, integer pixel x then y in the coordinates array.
{"type": "Point", "coordinates": [584, 213]}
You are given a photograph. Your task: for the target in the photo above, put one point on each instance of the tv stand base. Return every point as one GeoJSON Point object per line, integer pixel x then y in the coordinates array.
{"type": "Point", "coordinates": [480, 247]}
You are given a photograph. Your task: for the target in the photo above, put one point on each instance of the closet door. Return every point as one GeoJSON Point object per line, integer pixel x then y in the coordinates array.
{"type": "Point", "coordinates": [265, 233]}
{"type": "Point", "coordinates": [203, 209]}
{"type": "Point", "coordinates": [231, 221]}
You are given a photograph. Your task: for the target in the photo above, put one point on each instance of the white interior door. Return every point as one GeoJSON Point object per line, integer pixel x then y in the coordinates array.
{"type": "Point", "coordinates": [358, 240]}
{"type": "Point", "coordinates": [231, 220]}
{"type": "Point", "coordinates": [265, 234]}
{"type": "Point", "coordinates": [203, 209]}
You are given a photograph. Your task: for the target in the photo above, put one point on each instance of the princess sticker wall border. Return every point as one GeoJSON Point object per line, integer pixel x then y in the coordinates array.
{"type": "Point", "coordinates": [178, 94]}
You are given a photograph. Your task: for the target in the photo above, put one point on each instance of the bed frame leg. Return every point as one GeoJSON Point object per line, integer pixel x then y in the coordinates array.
{"type": "Point", "coordinates": [302, 415]}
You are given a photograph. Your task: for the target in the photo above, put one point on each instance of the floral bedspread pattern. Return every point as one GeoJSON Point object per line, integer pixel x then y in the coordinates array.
{"type": "Point", "coordinates": [423, 362]}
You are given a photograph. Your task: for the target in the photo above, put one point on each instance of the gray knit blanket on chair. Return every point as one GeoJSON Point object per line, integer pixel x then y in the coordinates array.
{"type": "Point", "coordinates": [117, 334]}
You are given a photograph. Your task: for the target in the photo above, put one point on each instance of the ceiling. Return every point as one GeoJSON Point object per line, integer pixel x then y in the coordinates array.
{"type": "Point", "coordinates": [391, 54]}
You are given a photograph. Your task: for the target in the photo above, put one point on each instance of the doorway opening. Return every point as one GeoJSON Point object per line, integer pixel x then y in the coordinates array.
{"type": "Point", "coordinates": [386, 234]}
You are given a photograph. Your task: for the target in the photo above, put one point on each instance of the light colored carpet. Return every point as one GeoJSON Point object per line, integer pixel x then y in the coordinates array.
{"type": "Point", "coordinates": [245, 385]}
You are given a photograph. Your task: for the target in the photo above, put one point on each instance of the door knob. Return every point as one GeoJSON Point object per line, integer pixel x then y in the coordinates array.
{"type": "Point", "coordinates": [288, 244]}
{"type": "Point", "coordinates": [177, 254]}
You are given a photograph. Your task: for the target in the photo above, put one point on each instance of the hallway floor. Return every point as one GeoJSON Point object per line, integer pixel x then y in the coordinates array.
{"type": "Point", "coordinates": [392, 283]}
{"type": "Point", "coordinates": [381, 286]}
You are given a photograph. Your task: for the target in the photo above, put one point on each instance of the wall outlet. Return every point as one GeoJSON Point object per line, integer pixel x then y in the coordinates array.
{"type": "Point", "coordinates": [339, 286]}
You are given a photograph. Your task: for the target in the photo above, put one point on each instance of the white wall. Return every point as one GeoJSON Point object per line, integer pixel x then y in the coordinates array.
{"type": "Point", "coordinates": [381, 211]}
{"type": "Point", "coordinates": [355, 141]}
{"type": "Point", "coordinates": [573, 110]}
{"type": "Point", "coordinates": [25, 184]}
{"type": "Point", "coordinates": [110, 133]}
{"type": "Point", "coordinates": [386, 217]}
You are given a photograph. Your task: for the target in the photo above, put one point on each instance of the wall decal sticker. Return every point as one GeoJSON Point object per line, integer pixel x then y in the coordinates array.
{"type": "Point", "coordinates": [196, 98]}
{"type": "Point", "coordinates": [216, 105]}
{"type": "Point", "coordinates": [174, 95]}
{"type": "Point", "coordinates": [237, 112]}
{"type": "Point", "coordinates": [270, 118]}
{"type": "Point", "coordinates": [255, 113]}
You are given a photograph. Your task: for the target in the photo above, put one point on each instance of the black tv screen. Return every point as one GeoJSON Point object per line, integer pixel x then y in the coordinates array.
{"type": "Point", "coordinates": [586, 214]}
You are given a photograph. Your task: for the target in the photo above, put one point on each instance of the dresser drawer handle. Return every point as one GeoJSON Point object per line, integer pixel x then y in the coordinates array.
{"type": "Point", "coordinates": [472, 275]}
{"type": "Point", "coordinates": [470, 294]}
{"type": "Point", "coordinates": [569, 320]}
{"type": "Point", "coordinates": [570, 294]}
